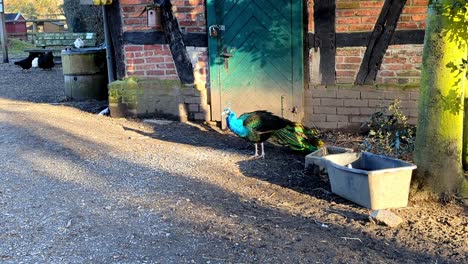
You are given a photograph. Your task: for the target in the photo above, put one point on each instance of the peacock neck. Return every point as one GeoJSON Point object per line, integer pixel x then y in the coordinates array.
{"type": "Point", "coordinates": [236, 125]}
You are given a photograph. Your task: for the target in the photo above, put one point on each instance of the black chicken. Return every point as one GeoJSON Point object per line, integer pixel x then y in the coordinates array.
{"type": "Point", "coordinates": [46, 61]}
{"type": "Point", "coordinates": [26, 64]}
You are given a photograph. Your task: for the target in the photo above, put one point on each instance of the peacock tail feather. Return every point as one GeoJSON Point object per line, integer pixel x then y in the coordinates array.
{"type": "Point", "coordinates": [297, 137]}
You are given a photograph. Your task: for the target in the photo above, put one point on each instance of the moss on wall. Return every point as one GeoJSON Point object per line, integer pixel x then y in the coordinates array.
{"type": "Point", "coordinates": [142, 97]}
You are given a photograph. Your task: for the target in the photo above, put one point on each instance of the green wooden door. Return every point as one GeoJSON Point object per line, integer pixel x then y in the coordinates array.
{"type": "Point", "coordinates": [256, 56]}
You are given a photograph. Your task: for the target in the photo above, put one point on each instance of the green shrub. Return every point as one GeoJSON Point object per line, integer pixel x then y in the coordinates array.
{"type": "Point", "coordinates": [389, 133]}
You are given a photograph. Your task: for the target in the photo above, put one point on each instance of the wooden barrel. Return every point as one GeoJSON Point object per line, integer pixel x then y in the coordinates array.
{"type": "Point", "coordinates": [85, 73]}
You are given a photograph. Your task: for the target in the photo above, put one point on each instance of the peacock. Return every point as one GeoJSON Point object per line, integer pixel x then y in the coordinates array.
{"type": "Point", "coordinates": [261, 125]}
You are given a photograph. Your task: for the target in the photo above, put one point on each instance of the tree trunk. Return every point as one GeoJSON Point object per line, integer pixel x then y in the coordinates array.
{"type": "Point", "coordinates": [464, 186]}
{"type": "Point", "coordinates": [438, 150]}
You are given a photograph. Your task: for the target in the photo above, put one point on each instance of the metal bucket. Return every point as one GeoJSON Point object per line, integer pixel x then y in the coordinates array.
{"type": "Point", "coordinates": [85, 73]}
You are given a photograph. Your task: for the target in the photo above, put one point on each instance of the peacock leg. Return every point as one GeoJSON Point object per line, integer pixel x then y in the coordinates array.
{"type": "Point", "coordinates": [256, 152]}
{"type": "Point", "coordinates": [263, 152]}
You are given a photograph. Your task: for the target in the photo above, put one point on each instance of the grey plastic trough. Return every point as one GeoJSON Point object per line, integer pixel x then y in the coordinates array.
{"type": "Point", "coordinates": [370, 180]}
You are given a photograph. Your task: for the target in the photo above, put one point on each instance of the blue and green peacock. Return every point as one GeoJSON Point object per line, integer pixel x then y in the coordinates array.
{"type": "Point", "coordinates": [259, 126]}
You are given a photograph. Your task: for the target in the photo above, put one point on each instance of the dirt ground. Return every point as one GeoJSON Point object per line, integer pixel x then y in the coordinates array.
{"type": "Point", "coordinates": [81, 188]}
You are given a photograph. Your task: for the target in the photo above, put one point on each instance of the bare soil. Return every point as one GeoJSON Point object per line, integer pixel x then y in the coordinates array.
{"type": "Point", "coordinates": [79, 188]}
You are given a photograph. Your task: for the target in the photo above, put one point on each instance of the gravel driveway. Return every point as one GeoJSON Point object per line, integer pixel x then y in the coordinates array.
{"type": "Point", "coordinates": [76, 187]}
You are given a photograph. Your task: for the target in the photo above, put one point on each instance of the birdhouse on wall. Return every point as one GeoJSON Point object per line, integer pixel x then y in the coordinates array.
{"type": "Point", "coordinates": [153, 13]}
{"type": "Point", "coordinates": [95, 2]}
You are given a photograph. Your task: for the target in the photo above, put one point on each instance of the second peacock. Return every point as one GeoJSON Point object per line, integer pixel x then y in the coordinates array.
{"type": "Point", "coordinates": [259, 126]}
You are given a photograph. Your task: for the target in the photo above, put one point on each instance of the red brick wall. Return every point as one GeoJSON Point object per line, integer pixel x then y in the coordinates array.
{"type": "Point", "coordinates": [401, 64]}
{"type": "Point", "coordinates": [156, 60]}
{"type": "Point", "coordinates": [347, 106]}
{"type": "Point", "coordinates": [361, 15]}
{"type": "Point", "coordinates": [150, 60]}
{"type": "Point", "coordinates": [189, 13]}
{"type": "Point", "coordinates": [326, 107]}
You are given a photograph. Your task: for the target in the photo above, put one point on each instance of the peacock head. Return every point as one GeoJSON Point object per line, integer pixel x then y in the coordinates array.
{"type": "Point", "coordinates": [227, 110]}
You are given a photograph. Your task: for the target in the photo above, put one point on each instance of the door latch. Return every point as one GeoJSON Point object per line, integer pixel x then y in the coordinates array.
{"type": "Point", "coordinates": [226, 57]}
{"type": "Point", "coordinates": [213, 30]}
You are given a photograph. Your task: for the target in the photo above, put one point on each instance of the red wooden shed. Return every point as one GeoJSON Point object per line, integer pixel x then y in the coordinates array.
{"type": "Point", "coordinates": [16, 26]}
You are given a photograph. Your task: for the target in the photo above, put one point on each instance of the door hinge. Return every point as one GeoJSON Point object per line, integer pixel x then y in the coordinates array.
{"type": "Point", "coordinates": [213, 30]}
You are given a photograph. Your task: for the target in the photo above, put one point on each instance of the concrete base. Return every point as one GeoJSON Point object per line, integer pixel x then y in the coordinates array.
{"type": "Point", "coordinates": [164, 98]}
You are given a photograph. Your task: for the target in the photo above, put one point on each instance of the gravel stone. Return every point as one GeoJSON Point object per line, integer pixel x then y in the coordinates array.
{"type": "Point", "coordinates": [77, 187]}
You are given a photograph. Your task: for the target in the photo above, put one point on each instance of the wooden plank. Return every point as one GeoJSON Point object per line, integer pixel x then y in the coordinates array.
{"type": "Point", "coordinates": [3, 37]}
{"type": "Point", "coordinates": [176, 44]}
{"type": "Point", "coordinates": [157, 37]}
{"type": "Point", "coordinates": [324, 19]}
{"type": "Point", "coordinates": [403, 37]}
{"type": "Point", "coordinates": [361, 39]}
{"type": "Point", "coordinates": [115, 28]}
{"type": "Point", "coordinates": [354, 39]}
{"type": "Point", "coordinates": [379, 41]}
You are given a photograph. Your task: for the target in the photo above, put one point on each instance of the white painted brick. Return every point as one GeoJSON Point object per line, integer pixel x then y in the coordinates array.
{"type": "Point", "coordinates": [193, 108]}
{"type": "Point", "coordinates": [409, 104]}
{"type": "Point", "coordinates": [310, 102]}
{"type": "Point", "coordinates": [323, 93]}
{"type": "Point", "coordinates": [348, 94]}
{"type": "Point", "coordinates": [413, 121]}
{"type": "Point", "coordinates": [359, 119]}
{"type": "Point", "coordinates": [345, 125]}
{"type": "Point", "coordinates": [397, 95]}
{"type": "Point", "coordinates": [325, 110]}
{"type": "Point", "coordinates": [379, 103]}
{"type": "Point", "coordinates": [201, 116]}
{"type": "Point", "coordinates": [367, 111]}
{"type": "Point", "coordinates": [348, 111]}
{"type": "Point", "coordinates": [413, 113]}
{"type": "Point", "coordinates": [331, 102]}
{"type": "Point", "coordinates": [372, 95]}
{"type": "Point", "coordinates": [318, 118]}
{"type": "Point", "coordinates": [356, 102]}
{"type": "Point", "coordinates": [337, 118]}
{"type": "Point", "coordinates": [414, 95]}
{"type": "Point", "coordinates": [326, 125]}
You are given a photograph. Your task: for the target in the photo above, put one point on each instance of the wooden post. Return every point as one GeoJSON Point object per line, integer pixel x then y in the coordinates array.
{"type": "Point", "coordinates": [381, 36]}
{"type": "Point", "coordinates": [3, 34]}
{"type": "Point", "coordinates": [107, 37]}
{"type": "Point", "coordinates": [176, 43]}
{"type": "Point", "coordinates": [34, 26]}
{"type": "Point", "coordinates": [115, 30]}
{"type": "Point", "coordinates": [325, 39]}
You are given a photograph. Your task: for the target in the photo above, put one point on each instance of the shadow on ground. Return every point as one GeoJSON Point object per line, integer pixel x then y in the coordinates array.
{"type": "Point", "coordinates": [125, 208]}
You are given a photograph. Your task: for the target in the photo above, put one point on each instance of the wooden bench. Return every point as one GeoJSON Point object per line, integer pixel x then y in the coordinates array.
{"type": "Point", "coordinates": [58, 41]}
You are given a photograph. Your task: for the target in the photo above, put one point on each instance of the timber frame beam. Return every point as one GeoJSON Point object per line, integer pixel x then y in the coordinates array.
{"type": "Point", "coordinates": [325, 40]}
{"type": "Point", "coordinates": [380, 39]}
